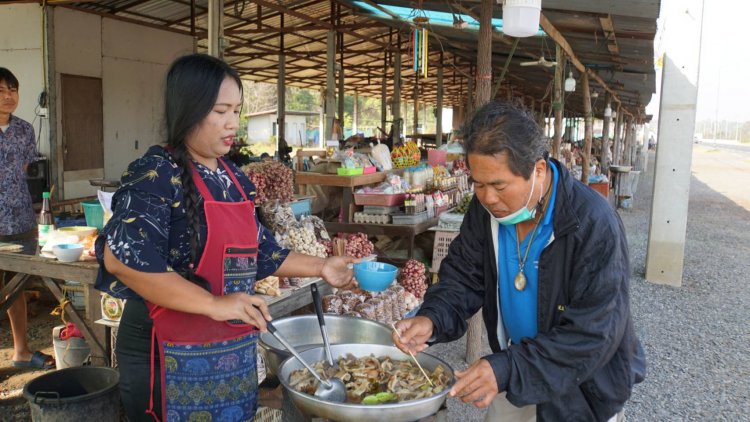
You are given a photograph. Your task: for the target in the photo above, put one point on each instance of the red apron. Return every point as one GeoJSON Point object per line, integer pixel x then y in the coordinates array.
{"type": "Point", "coordinates": [208, 370]}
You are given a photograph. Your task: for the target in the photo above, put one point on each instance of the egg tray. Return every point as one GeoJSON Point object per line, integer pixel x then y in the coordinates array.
{"type": "Point", "coordinates": [361, 217]}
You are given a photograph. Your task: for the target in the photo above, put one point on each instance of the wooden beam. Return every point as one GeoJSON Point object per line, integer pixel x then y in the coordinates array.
{"type": "Point", "coordinates": [311, 19]}
{"type": "Point", "coordinates": [557, 36]}
{"type": "Point", "coordinates": [609, 33]}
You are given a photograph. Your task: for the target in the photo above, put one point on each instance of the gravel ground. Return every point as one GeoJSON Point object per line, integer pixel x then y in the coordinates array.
{"type": "Point", "coordinates": [696, 337]}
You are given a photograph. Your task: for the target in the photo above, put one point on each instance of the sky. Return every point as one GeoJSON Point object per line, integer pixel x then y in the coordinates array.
{"type": "Point", "coordinates": [723, 86]}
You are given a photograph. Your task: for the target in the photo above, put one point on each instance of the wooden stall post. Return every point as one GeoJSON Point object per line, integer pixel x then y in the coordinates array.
{"type": "Point", "coordinates": [281, 90]}
{"type": "Point", "coordinates": [330, 105]}
{"type": "Point", "coordinates": [588, 129]}
{"type": "Point", "coordinates": [484, 90]}
{"type": "Point", "coordinates": [605, 134]}
{"type": "Point", "coordinates": [396, 102]}
{"type": "Point", "coordinates": [557, 104]}
{"type": "Point", "coordinates": [439, 105]}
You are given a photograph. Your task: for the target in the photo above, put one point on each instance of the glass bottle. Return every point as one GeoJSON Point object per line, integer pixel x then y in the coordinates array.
{"type": "Point", "coordinates": [46, 222]}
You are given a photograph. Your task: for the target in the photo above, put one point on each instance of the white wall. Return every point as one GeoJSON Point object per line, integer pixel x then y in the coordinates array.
{"type": "Point", "coordinates": [259, 128]}
{"type": "Point", "coordinates": [22, 54]}
{"type": "Point", "coordinates": [133, 88]}
{"type": "Point", "coordinates": [132, 61]}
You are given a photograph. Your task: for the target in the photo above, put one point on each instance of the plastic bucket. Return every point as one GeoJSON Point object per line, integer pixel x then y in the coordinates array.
{"type": "Point", "coordinates": [74, 394]}
{"type": "Point", "coordinates": [71, 352]}
{"type": "Point", "coordinates": [94, 213]}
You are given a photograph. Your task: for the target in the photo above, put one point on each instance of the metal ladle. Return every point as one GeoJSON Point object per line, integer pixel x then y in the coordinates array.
{"type": "Point", "coordinates": [332, 389]}
{"type": "Point", "coordinates": [322, 322]}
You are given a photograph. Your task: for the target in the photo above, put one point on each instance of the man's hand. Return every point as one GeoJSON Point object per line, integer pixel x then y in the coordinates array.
{"type": "Point", "coordinates": [337, 273]}
{"type": "Point", "coordinates": [414, 334]}
{"type": "Point", "coordinates": [476, 385]}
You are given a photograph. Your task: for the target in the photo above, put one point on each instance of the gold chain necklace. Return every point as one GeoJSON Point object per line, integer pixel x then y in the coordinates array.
{"type": "Point", "coordinates": [520, 281]}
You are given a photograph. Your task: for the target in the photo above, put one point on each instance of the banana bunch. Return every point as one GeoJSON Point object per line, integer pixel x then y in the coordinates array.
{"type": "Point", "coordinates": [406, 155]}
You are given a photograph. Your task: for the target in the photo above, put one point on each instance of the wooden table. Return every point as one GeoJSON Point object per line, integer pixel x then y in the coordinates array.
{"type": "Point", "coordinates": [348, 183]}
{"type": "Point", "coordinates": [52, 272]}
{"type": "Point", "coordinates": [410, 231]}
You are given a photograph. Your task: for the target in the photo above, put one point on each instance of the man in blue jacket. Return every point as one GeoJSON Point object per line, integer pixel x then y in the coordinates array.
{"type": "Point", "coordinates": [546, 259]}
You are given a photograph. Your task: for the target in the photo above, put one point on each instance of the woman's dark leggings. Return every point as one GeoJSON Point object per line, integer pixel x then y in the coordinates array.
{"type": "Point", "coordinates": [134, 360]}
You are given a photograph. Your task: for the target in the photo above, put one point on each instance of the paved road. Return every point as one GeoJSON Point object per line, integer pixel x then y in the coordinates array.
{"type": "Point", "coordinates": [725, 169]}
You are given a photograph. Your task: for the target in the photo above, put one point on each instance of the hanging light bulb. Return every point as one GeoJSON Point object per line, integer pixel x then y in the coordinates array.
{"type": "Point", "coordinates": [608, 111]}
{"type": "Point", "coordinates": [570, 83]}
{"type": "Point", "coordinates": [521, 17]}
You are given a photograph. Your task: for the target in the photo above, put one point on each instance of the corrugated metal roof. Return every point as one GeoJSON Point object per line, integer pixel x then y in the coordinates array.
{"type": "Point", "coordinates": [252, 30]}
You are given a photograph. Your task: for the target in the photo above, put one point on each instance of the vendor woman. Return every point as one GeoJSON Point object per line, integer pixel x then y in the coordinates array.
{"type": "Point", "coordinates": [185, 247]}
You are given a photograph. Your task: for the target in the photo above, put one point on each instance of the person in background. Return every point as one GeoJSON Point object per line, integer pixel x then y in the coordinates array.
{"type": "Point", "coordinates": [546, 259]}
{"type": "Point", "coordinates": [17, 218]}
{"type": "Point", "coordinates": [184, 246]}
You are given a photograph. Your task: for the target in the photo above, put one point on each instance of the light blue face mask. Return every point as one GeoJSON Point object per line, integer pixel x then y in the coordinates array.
{"type": "Point", "coordinates": [522, 214]}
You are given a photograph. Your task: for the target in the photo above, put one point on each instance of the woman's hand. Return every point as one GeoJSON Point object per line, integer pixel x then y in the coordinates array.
{"type": "Point", "coordinates": [250, 309]}
{"type": "Point", "coordinates": [337, 273]}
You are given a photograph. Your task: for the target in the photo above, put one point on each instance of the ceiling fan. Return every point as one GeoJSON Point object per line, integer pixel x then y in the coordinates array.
{"type": "Point", "coordinates": [540, 62]}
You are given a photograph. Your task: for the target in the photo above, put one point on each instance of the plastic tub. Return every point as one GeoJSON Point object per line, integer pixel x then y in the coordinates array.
{"type": "Point", "coordinates": [94, 213]}
{"type": "Point", "coordinates": [349, 172]}
{"type": "Point", "coordinates": [383, 200]}
{"type": "Point", "coordinates": [74, 394]}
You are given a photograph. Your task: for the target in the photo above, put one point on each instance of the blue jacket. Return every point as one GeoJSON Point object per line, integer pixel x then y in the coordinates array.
{"type": "Point", "coordinates": [586, 358]}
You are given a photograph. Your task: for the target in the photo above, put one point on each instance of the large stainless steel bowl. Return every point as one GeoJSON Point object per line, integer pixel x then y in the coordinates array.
{"type": "Point", "coordinates": [303, 332]}
{"type": "Point", "coordinates": [398, 412]}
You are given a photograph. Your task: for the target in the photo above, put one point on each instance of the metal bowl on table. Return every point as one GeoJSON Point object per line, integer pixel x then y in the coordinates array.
{"type": "Point", "coordinates": [303, 332]}
{"type": "Point", "coordinates": [411, 410]}
{"type": "Point", "coordinates": [620, 169]}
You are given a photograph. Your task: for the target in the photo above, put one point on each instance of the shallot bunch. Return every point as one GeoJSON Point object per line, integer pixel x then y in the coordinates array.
{"type": "Point", "coordinates": [412, 277]}
{"type": "Point", "coordinates": [358, 245]}
{"type": "Point", "coordinates": [272, 179]}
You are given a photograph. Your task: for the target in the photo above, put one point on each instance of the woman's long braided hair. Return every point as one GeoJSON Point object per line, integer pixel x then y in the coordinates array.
{"type": "Point", "coordinates": [193, 84]}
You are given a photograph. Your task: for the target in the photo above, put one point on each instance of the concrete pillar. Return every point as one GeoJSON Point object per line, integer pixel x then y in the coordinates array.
{"type": "Point", "coordinates": [216, 28]}
{"type": "Point", "coordinates": [679, 90]}
{"type": "Point", "coordinates": [330, 83]}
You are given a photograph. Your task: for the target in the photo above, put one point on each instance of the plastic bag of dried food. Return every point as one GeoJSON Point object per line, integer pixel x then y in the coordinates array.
{"type": "Point", "coordinates": [367, 310]}
{"type": "Point", "coordinates": [317, 225]}
{"type": "Point", "coordinates": [349, 300]}
{"type": "Point", "coordinates": [332, 304]}
{"type": "Point", "coordinates": [379, 308]}
{"type": "Point", "coordinates": [387, 309]}
{"type": "Point", "coordinates": [277, 217]}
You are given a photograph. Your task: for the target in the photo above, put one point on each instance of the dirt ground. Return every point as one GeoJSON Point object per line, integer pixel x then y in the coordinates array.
{"type": "Point", "coordinates": [13, 407]}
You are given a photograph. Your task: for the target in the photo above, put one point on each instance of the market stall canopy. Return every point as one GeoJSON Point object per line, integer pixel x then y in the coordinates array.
{"type": "Point", "coordinates": [611, 40]}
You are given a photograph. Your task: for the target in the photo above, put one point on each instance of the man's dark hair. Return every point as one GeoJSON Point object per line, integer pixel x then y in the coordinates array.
{"type": "Point", "coordinates": [8, 77]}
{"type": "Point", "coordinates": [500, 127]}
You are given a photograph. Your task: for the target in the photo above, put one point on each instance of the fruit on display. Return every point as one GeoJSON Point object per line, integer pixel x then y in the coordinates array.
{"type": "Point", "coordinates": [302, 240]}
{"type": "Point", "coordinates": [358, 245]}
{"type": "Point", "coordinates": [406, 155]}
{"type": "Point", "coordinates": [463, 203]}
{"type": "Point", "coordinates": [413, 278]}
{"type": "Point", "coordinates": [272, 180]}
